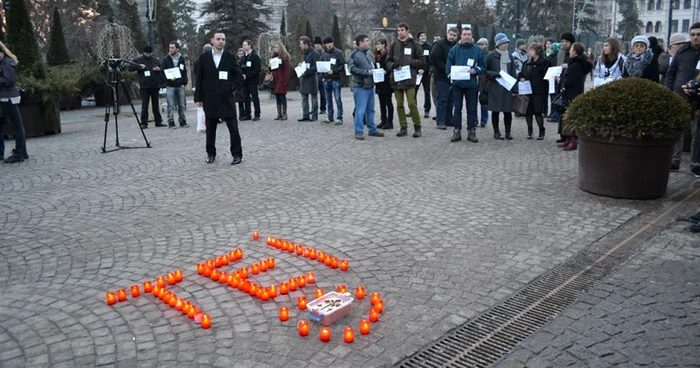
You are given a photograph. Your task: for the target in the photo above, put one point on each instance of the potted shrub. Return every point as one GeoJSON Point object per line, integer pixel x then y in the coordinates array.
{"type": "Point", "coordinates": [70, 97]}
{"type": "Point", "coordinates": [40, 103]}
{"type": "Point", "coordinates": [627, 130]}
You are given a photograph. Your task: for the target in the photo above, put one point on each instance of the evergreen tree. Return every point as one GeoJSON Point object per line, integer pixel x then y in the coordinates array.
{"type": "Point", "coordinates": [129, 17]}
{"type": "Point", "coordinates": [105, 11]}
{"type": "Point", "coordinates": [335, 33]}
{"type": "Point", "coordinates": [165, 25]}
{"type": "Point", "coordinates": [20, 37]}
{"type": "Point", "coordinates": [505, 13]}
{"type": "Point", "coordinates": [307, 30]}
{"type": "Point", "coordinates": [58, 52]}
{"type": "Point", "coordinates": [186, 27]}
{"type": "Point", "coordinates": [283, 29]}
{"type": "Point", "coordinates": [630, 24]}
{"type": "Point", "coordinates": [585, 17]}
{"type": "Point", "coordinates": [238, 19]}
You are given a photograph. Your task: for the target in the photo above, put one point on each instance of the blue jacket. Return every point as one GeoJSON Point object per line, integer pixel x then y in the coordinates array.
{"type": "Point", "coordinates": [460, 55]}
{"type": "Point", "coordinates": [8, 78]}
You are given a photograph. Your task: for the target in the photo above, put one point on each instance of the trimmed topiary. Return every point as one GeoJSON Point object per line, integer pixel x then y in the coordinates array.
{"type": "Point", "coordinates": [631, 108]}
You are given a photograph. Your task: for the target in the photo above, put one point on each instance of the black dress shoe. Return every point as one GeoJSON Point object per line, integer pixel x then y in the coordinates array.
{"type": "Point", "coordinates": [245, 118]}
{"type": "Point", "coordinates": [304, 119]}
{"type": "Point", "coordinates": [257, 118]}
{"type": "Point", "coordinates": [160, 125]}
{"type": "Point", "coordinates": [211, 159]}
{"type": "Point", "coordinates": [236, 160]}
{"type": "Point", "coordinates": [144, 126]}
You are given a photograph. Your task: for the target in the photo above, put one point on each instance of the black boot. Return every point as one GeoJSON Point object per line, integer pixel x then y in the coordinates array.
{"type": "Point", "coordinates": [540, 126]}
{"type": "Point", "coordinates": [284, 112]}
{"type": "Point", "coordinates": [402, 133]}
{"type": "Point", "coordinates": [508, 124]}
{"type": "Point", "coordinates": [381, 125]}
{"type": "Point", "coordinates": [417, 132]}
{"type": "Point", "coordinates": [456, 135]}
{"type": "Point", "coordinates": [528, 121]}
{"type": "Point", "coordinates": [279, 112]}
{"type": "Point", "coordinates": [471, 137]}
{"type": "Point", "coordinates": [497, 133]}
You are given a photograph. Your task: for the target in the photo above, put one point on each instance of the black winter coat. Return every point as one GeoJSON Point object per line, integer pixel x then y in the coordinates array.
{"type": "Point", "coordinates": [155, 78]}
{"type": "Point", "coordinates": [651, 72]}
{"type": "Point", "coordinates": [682, 69]}
{"type": "Point", "coordinates": [438, 59]}
{"type": "Point", "coordinates": [251, 65]}
{"type": "Point", "coordinates": [574, 78]}
{"type": "Point", "coordinates": [534, 71]}
{"type": "Point", "coordinates": [214, 92]}
{"type": "Point", "coordinates": [168, 63]}
{"type": "Point", "coordinates": [383, 88]}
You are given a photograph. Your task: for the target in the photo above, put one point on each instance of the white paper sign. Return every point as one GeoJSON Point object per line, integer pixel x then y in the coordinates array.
{"type": "Point", "coordinates": [697, 66]}
{"type": "Point", "coordinates": [460, 72]}
{"type": "Point", "coordinates": [597, 82]}
{"type": "Point", "coordinates": [553, 72]}
{"type": "Point", "coordinates": [407, 51]}
{"type": "Point", "coordinates": [402, 74]}
{"type": "Point", "coordinates": [300, 70]}
{"type": "Point", "coordinates": [426, 53]}
{"type": "Point", "coordinates": [172, 73]}
{"type": "Point", "coordinates": [323, 66]}
{"type": "Point", "coordinates": [307, 65]}
{"type": "Point", "coordinates": [552, 87]}
{"type": "Point", "coordinates": [182, 66]}
{"type": "Point", "coordinates": [248, 64]}
{"type": "Point", "coordinates": [223, 75]}
{"type": "Point", "coordinates": [147, 73]}
{"type": "Point", "coordinates": [275, 63]}
{"type": "Point", "coordinates": [378, 75]}
{"type": "Point", "coordinates": [347, 70]}
{"type": "Point", "coordinates": [524, 88]}
{"type": "Point", "coordinates": [506, 80]}
{"type": "Point", "coordinates": [333, 61]}
{"type": "Point", "coordinates": [419, 78]}
{"type": "Point", "coordinates": [378, 66]}
{"type": "Point", "coordinates": [470, 62]}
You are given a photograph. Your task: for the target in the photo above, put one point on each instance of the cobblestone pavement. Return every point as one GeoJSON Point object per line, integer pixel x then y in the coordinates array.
{"type": "Point", "coordinates": [646, 314]}
{"type": "Point", "coordinates": [443, 230]}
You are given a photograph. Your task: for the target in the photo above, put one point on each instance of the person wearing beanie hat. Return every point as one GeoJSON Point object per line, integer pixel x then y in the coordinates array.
{"type": "Point", "coordinates": [500, 99]}
{"type": "Point", "coordinates": [674, 44]}
{"type": "Point", "coordinates": [500, 39]}
{"type": "Point", "coordinates": [640, 62]}
{"type": "Point", "coordinates": [520, 54]}
{"type": "Point", "coordinates": [318, 46]}
{"type": "Point", "coordinates": [566, 36]}
{"type": "Point", "coordinates": [150, 76]}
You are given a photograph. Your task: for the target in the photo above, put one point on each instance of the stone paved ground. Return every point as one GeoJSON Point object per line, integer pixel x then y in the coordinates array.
{"type": "Point", "coordinates": [646, 314]}
{"type": "Point", "coordinates": [444, 231]}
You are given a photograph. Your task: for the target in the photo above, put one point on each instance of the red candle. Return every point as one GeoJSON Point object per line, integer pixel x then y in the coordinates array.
{"type": "Point", "coordinates": [121, 295]}
{"type": "Point", "coordinates": [342, 289]}
{"type": "Point", "coordinates": [272, 290]}
{"type": "Point", "coordinates": [307, 251]}
{"type": "Point", "coordinates": [186, 308]}
{"type": "Point", "coordinates": [300, 250]}
{"type": "Point", "coordinates": [321, 257]}
{"type": "Point", "coordinates": [290, 248]}
{"type": "Point", "coordinates": [303, 328]}
{"type": "Point", "coordinates": [244, 273]}
{"type": "Point", "coordinates": [224, 260]}
{"type": "Point", "coordinates": [256, 235]}
{"type": "Point", "coordinates": [217, 262]}
{"type": "Point", "coordinates": [325, 334]}
{"type": "Point", "coordinates": [312, 254]}
{"type": "Point", "coordinates": [160, 281]}
{"type": "Point", "coordinates": [239, 253]}
{"type": "Point", "coordinates": [301, 302]}
{"type": "Point", "coordinates": [344, 265]}
{"type": "Point", "coordinates": [301, 281]}
{"type": "Point", "coordinates": [374, 298]}
{"type": "Point", "coordinates": [147, 287]}
{"type": "Point", "coordinates": [319, 293]}
{"type": "Point", "coordinates": [284, 314]}
{"type": "Point", "coordinates": [348, 335]}
{"type": "Point", "coordinates": [263, 266]}
{"type": "Point", "coordinates": [231, 256]}
{"type": "Point", "coordinates": [327, 261]}
{"type": "Point", "coordinates": [334, 262]}
{"type": "Point", "coordinates": [310, 278]}
{"type": "Point", "coordinates": [179, 304]}
{"type": "Point", "coordinates": [265, 296]}
{"type": "Point", "coordinates": [210, 264]}
{"type": "Point", "coordinates": [200, 269]}
{"type": "Point", "coordinates": [173, 301]}
{"type": "Point", "coordinates": [191, 312]}
{"type": "Point", "coordinates": [278, 243]}
{"type": "Point", "coordinates": [270, 263]}
{"type": "Point", "coordinates": [156, 291]}
{"type": "Point", "coordinates": [269, 241]}
{"type": "Point", "coordinates": [373, 315]}
{"type": "Point", "coordinates": [379, 307]}
{"type": "Point", "coordinates": [255, 269]}
{"type": "Point", "coordinates": [364, 326]}
{"type": "Point", "coordinates": [360, 292]}
{"type": "Point", "coordinates": [253, 290]}
{"type": "Point", "coordinates": [223, 278]}
{"type": "Point", "coordinates": [215, 275]}
{"type": "Point", "coordinates": [111, 298]}
{"type": "Point", "coordinates": [135, 292]}
{"type": "Point", "coordinates": [292, 285]}
{"type": "Point", "coordinates": [178, 275]}
{"type": "Point", "coordinates": [171, 279]}
{"type": "Point", "coordinates": [246, 286]}
{"type": "Point", "coordinates": [208, 271]}
{"type": "Point", "coordinates": [284, 288]}
{"type": "Point", "coordinates": [206, 321]}
{"type": "Point", "coordinates": [166, 297]}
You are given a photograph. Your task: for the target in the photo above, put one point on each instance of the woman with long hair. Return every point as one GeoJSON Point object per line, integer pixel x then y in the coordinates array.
{"type": "Point", "coordinates": [610, 63]}
{"type": "Point", "coordinates": [572, 82]}
{"type": "Point", "coordinates": [383, 89]}
{"type": "Point", "coordinates": [9, 99]}
{"type": "Point", "coordinates": [281, 78]}
{"type": "Point", "coordinates": [534, 71]}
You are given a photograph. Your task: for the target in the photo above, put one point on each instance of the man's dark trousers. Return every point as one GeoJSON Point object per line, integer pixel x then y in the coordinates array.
{"type": "Point", "coordinates": [150, 94]}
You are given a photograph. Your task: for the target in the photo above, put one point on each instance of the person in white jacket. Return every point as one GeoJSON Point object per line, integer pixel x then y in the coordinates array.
{"type": "Point", "coordinates": [610, 64]}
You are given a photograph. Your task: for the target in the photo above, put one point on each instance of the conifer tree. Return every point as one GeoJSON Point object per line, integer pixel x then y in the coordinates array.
{"type": "Point", "coordinates": [20, 36]}
{"type": "Point", "coordinates": [58, 51]}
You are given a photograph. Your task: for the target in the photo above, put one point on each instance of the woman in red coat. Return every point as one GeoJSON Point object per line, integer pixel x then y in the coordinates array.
{"type": "Point", "coordinates": [281, 77]}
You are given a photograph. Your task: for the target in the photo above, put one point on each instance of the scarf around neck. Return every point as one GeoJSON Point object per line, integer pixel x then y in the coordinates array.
{"type": "Point", "coordinates": [505, 60]}
{"type": "Point", "coordinates": [636, 64]}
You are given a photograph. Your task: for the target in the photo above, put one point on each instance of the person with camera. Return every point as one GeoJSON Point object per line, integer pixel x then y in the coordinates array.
{"type": "Point", "coordinates": [681, 75]}
{"type": "Point", "coordinates": [150, 77]}
{"type": "Point", "coordinates": [9, 99]}
{"type": "Point", "coordinates": [175, 87]}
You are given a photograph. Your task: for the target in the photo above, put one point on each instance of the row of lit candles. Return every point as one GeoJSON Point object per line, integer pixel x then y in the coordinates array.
{"type": "Point", "coordinates": [325, 332]}
{"type": "Point", "coordinates": [225, 260]}
{"type": "Point", "coordinates": [172, 278]}
{"type": "Point", "coordinates": [310, 253]}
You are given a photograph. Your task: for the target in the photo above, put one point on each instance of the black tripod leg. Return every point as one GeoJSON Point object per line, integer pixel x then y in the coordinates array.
{"type": "Point", "coordinates": [115, 102]}
{"type": "Point", "coordinates": [136, 115]}
{"type": "Point", "coordinates": [107, 111]}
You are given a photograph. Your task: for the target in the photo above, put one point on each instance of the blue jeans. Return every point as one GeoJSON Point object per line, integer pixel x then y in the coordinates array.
{"type": "Point", "coordinates": [484, 114]}
{"type": "Point", "coordinates": [332, 87]}
{"type": "Point", "coordinates": [444, 102]}
{"type": "Point", "coordinates": [364, 105]}
{"type": "Point", "coordinates": [176, 100]}
{"type": "Point", "coordinates": [12, 114]}
{"type": "Point", "coordinates": [471, 95]}
{"type": "Point", "coordinates": [555, 114]}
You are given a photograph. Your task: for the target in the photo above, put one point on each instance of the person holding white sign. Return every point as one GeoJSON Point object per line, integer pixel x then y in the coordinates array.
{"type": "Point", "coordinates": [331, 79]}
{"type": "Point", "coordinates": [469, 59]}
{"type": "Point", "coordinates": [500, 98]}
{"type": "Point", "coordinates": [404, 60]}
{"type": "Point", "coordinates": [175, 66]}
{"type": "Point", "coordinates": [425, 81]}
{"type": "Point", "coordinates": [308, 80]}
{"type": "Point", "coordinates": [150, 77]}
{"type": "Point", "coordinates": [533, 71]}
{"type": "Point", "coordinates": [383, 89]}
{"type": "Point", "coordinates": [362, 68]}
{"type": "Point", "coordinates": [281, 77]}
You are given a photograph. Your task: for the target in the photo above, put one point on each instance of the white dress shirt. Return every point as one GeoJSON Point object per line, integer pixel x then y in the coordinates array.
{"type": "Point", "coordinates": [217, 57]}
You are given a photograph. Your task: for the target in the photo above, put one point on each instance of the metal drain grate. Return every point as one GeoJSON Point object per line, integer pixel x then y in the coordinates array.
{"type": "Point", "coordinates": [489, 337]}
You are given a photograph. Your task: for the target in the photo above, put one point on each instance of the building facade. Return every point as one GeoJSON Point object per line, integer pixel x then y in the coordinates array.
{"type": "Point", "coordinates": [654, 15]}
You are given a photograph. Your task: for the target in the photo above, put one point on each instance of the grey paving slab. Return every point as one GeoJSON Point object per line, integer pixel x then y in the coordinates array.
{"type": "Point", "coordinates": [444, 231]}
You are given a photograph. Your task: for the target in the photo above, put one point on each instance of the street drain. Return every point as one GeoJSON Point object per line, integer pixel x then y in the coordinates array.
{"type": "Point", "coordinates": [489, 337]}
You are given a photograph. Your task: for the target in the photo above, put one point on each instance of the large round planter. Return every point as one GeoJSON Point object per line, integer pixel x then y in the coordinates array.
{"type": "Point", "coordinates": [624, 168]}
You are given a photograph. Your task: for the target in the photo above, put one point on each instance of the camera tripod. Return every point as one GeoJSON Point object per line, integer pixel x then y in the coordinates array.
{"type": "Point", "coordinates": [116, 85]}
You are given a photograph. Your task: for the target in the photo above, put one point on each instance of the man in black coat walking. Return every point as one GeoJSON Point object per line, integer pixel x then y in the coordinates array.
{"type": "Point", "coordinates": [218, 75]}
{"type": "Point", "coordinates": [150, 77]}
{"type": "Point", "coordinates": [251, 71]}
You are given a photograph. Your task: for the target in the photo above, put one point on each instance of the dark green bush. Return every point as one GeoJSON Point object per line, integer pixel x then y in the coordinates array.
{"type": "Point", "coordinates": [631, 108]}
